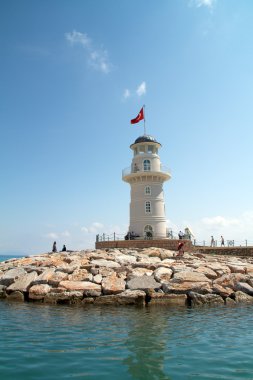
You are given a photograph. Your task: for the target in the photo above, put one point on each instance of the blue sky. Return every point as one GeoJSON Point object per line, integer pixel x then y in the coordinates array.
{"type": "Point", "coordinates": [73, 74]}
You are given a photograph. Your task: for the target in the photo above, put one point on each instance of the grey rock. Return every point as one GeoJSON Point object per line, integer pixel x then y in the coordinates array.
{"type": "Point", "coordinates": [242, 297]}
{"type": "Point", "coordinates": [70, 298]}
{"type": "Point", "coordinates": [57, 277]}
{"type": "Point", "coordinates": [158, 298]}
{"type": "Point", "coordinates": [128, 297]}
{"type": "Point", "coordinates": [143, 283]}
{"type": "Point", "coordinates": [16, 296]}
{"type": "Point", "coordinates": [244, 287]}
{"type": "Point", "coordinates": [44, 277]}
{"type": "Point", "coordinates": [23, 283]}
{"type": "Point", "coordinates": [11, 275]}
{"type": "Point", "coordinates": [2, 291]}
{"type": "Point", "coordinates": [229, 301]}
{"type": "Point", "coordinates": [105, 263]}
{"type": "Point", "coordinates": [163, 274]}
{"type": "Point", "coordinates": [208, 299]}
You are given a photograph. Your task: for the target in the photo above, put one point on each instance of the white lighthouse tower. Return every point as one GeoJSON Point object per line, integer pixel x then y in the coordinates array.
{"type": "Point", "coordinates": [146, 177]}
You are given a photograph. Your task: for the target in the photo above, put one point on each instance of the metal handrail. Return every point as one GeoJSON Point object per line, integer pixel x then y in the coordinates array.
{"type": "Point", "coordinates": [198, 243]}
{"type": "Point", "coordinates": [130, 170]}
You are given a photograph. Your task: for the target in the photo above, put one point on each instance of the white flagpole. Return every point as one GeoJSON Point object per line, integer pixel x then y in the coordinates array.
{"type": "Point", "coordinates": [144, 120]}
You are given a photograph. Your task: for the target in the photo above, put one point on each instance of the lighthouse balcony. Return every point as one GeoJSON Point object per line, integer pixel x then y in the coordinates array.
{"type": "Point", "coordinates": [131, 173]}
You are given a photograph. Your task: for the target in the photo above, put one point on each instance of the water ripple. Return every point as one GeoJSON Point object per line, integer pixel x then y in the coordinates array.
{"type": "Point", "coordinates": [46, 342]}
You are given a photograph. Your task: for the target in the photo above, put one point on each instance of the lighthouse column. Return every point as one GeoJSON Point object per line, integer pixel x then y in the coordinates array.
{"type": "Point", "coordinates": [146, 177]}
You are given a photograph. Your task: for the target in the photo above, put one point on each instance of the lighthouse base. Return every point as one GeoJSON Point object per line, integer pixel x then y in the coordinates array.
{"type": "Point", "coordinates": [170, 244]}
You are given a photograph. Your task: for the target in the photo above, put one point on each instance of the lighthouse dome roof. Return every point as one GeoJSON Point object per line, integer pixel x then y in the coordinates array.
{"type": "Point", "coordinates": [145, 138]}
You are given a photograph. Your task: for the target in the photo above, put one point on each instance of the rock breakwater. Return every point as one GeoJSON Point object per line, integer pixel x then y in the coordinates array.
{"type": "Point", "coordinates": [150, 276]}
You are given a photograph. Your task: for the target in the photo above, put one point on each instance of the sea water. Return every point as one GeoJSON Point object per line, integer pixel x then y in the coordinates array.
{"type": "Point", "coordinates": [94, 342]}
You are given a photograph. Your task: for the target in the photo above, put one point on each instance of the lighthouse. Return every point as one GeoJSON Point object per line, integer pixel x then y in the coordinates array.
{"type": "Point", "coordinates": [146, 176]}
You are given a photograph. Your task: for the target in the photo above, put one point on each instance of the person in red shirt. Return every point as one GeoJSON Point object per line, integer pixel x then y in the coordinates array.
{"type": "Point", "coordinates": [180, 249]}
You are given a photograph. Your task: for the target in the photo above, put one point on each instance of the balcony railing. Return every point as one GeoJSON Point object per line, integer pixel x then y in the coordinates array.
{"type": "Point", "coordinates": [131, 170]}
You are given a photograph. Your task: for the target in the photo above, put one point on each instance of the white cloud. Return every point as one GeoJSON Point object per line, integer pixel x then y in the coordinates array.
{"type": "Point", "coordinates": [65, 234]}
{"type": "Point", "coordinates": [220, 221]}
{"type": "Point", "coordinates": [126, 94]}
{"type": "Point", "coordinates": [78, 38]}
{"type": "Point", "coordinates": [203, 3]}
{"type": "Point", "coordinates": [52, 235]}
{"type": "Point", "coordinates": [99, 61]}
{"type": "Point", "coordinates": [97, 58]}
{"type": "Point", "coordinates": [141, 90]}
{"type": "Point", "coordinates": [94, 228]}
{"type": "Point", "coordinates": [238, 228]}
{"type": "Point", "coordinates": [57, 235]}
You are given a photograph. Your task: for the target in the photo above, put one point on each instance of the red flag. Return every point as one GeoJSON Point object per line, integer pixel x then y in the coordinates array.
{"type": "Point", "coordinates": [139, 117]}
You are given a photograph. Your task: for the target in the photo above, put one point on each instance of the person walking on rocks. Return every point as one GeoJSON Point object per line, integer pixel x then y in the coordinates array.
{"type": "Point", "coordinates": [180, 249]}
{"type": "Point", "coordinates": [212, 242]}
{"type": "Point", "coordinates": [54, 249]}
{"type": "Point", "coordinates": [222, 243]}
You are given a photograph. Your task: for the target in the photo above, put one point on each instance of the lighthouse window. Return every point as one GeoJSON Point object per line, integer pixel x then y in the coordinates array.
{"type": "Point", "coordinates": [150, 148]}
{"type": "Point", "coordinates": [148, 207]}
{"type": "Point", "coordinates": [146, 165]}
{"type": "Point", "coordinates": [147, 190]}
{"type": "Point", "coordinates": [142, 149]}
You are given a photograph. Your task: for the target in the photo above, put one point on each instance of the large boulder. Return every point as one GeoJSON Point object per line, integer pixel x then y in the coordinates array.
{"type": "Point", "coordinates": [128, 297]}
{"type": "Point", "coordinates": [16, 296]}
{"type": "Point", "coordinates": [3, 291]}
{"type": "Point", "coordinates": [143, 283]}
{"type": "Point", "coordinates": [148, 261]}
{"type": "Point", "coordinates": [57, 277]}
{"type": "Point", "coordinates": [209, 273]}
{"type": "Point", "coordinates": [113, 284]}
{"type": "Point", "coordinates": [63, 297]}
{"type": "Point", "coordinates": [38, 292]}
{"type": "Point", "coordinates": [219, 268]}
{"type": "Point", "coordinates": [220, 290]}
{"type": "Point", "coordinates": [123, 259]}
{"type": "Point", "coordinates": [23, 283]}
{"type": "Point", "coordinates": [208, 299]}
{"type": "Point", "coordinates": [80, 275]}
{"type": "Point", "coordinates": [105, 263]}
{"type": "Point", "coordinates": [44, 276]}
{"type": "Point", "coordinates": [88, 288]}
{"type": "Point", "coordinates": [11, 275]}
{"type": "Point", "coordinates": [242, 297]}
{"type": "Point", "coordinates": [160, 298]}
{"type": "Point", "coordinates": [237, 267]}
{"type": "Point", "coordinates": [230, 280]}
{"type": "Point", "coordinates": [138, 272]}
{"type": "Point", "coordinates": [244, 287]}
{"type": "Point", "coordinates": [189, 276]}
{"type": "Point", "coordinates": [163, 274]}
{"type": "Point", "coordinates": [187, 286]}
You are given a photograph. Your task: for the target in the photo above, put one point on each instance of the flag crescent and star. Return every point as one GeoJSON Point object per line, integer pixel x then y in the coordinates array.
{"type": "Point", "coordinates": [139, 117]}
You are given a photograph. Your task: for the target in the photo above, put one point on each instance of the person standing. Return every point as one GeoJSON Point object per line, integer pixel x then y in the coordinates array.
{"type": "Point", "coordinates": [212, 242]}
{"type": "Point", "coordinates": [180, 235]}
{"type": "Point", "coordinates": [54, 249]}
{"type": "Point", "coordinates": [222, 244]}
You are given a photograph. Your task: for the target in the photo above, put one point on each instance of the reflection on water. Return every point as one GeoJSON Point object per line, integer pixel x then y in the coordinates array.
{"type": "Point", "coordinates": [49, 342]}
{"type": "Point", "coordinates": [147, 342]}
